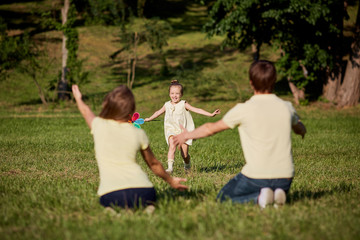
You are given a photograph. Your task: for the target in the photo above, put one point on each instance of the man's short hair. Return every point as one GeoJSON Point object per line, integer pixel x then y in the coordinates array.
{"type": "Point", "coordinates": [262, 74]}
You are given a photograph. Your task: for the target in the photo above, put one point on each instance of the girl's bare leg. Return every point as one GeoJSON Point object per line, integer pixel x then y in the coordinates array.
{"type": "Point", "coordinates": [185, 155]}
{"type": "Point", "coordinates": [185, 152]}
{"type": "Point", "coordinates": [171, 155]}
{"type": "Point", "coordinates": [172, 148]}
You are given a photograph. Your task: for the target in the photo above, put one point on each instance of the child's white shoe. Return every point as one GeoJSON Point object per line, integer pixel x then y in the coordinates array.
{"type": "Point", "coordinates": [169, 170]}
{"type": "Point", "coordinates": [266, 197]}
{"type": "Point", "coordinates": [279, 197]}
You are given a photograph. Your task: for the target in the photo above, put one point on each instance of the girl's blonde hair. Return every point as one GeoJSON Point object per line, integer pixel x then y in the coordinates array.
{"type": "Point", "coordinates": [176, 83]}
{"type": "Point", "coordinates": [119, 104]}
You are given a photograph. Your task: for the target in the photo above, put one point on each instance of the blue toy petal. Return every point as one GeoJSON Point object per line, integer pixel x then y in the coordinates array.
{"type": "Point", "coordinates": [140, 121]}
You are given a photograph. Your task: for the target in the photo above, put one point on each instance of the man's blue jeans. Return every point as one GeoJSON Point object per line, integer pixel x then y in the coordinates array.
{"type": "Point", "coordinates": [242, 189]}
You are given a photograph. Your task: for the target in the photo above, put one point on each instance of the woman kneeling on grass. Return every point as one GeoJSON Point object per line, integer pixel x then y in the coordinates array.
{"type": "Point", "coordinates": [122, 181]}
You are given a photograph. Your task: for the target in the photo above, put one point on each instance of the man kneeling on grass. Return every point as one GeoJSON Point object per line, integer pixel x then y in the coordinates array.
{"type": "Point", "coordinates": [264, 123]}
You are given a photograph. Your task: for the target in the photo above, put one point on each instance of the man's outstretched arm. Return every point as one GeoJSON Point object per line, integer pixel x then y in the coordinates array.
{"type": "Point", "coordinates": [204, 130]}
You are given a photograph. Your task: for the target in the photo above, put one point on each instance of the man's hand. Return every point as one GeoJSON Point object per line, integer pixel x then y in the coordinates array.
{"type": "Point", "coordinates": [180, 139]}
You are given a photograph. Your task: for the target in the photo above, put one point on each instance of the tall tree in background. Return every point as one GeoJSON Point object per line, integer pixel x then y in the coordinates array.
{"type": "Point", "coordinates": [63, 83]}
{"type": "Point", "coordinates": [22, 53]}
{"type": "Point", "coordinates": [138, 31]}
{"type": "Point", "coordinates": [350, 89]}
{"type": "Point", "coordinates": [308, 35]}
{"type": "Point", "coordinates": [71, 71]}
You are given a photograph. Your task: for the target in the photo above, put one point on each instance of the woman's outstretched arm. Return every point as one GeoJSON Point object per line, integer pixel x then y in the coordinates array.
{"type": "Point", "coordinates": [159, 171]}
{"type": "Point", "coordinates": [83, 108]}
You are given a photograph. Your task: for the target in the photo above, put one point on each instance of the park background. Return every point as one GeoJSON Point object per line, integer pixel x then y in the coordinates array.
{"type": "Point", "coordinates": [48, 171]}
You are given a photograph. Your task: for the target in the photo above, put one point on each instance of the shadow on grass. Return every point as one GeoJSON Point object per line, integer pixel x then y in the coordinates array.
{"type": "Point", "coordinates": [193, 15]}
{"type": "Point", "coordinates": [194, 59]}
{"type": "Point", "coordinates": [174, 194]}
{"type": "Point", "coordinates": [295, 196]}
{"type": "Point", "coordinates": [218, 168]}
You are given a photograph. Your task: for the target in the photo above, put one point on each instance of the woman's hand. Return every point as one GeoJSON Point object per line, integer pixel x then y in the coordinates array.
{"type": "Point", "coordinates": [176, 183]}
{"type": "Point", "coordinates": [76, 92]}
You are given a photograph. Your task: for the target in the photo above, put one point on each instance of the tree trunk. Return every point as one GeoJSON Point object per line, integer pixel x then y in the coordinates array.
{"type": "Point", "coordinates": [255, 51]}
{"type": "Point", "coordinates": [133, 65]}
{"type": "Point", "coordinates": [332, 86]}
{"type": "Point", "coordinates": [298, 94]}
{"type": "Point", "coordinates": [140, 8]}
{"type": "Point", "coordinates": [350, 89]}
{"type": "Point", "coordinates": [63, 84]}
{"type": "Point", "coordinates": [129, 71]}
{"type": "Point", "coordinates": [41, 93]}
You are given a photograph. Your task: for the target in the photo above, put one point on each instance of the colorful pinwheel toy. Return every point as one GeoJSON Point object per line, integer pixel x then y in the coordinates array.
{"type": "Point", "coordinates": [136, 121]}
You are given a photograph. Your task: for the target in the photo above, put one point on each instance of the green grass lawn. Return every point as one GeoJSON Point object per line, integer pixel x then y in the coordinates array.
{"type": "Point", "coordinates": [49, 180]}
{"type": "Point", "coordinates": [49, 176]}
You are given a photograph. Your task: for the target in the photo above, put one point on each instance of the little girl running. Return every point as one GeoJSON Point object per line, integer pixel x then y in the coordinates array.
{"type": "Point", "coordinates": [122, 181]}
{"type": "Point", "coordinates": [176, 114]}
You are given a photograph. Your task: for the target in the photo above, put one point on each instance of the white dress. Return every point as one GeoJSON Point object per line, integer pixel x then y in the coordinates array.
{"type": "Point", "coordinates": [174, 116]}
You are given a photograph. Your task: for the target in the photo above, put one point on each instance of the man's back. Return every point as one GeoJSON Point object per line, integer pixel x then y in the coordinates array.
{"type": "Point", "coordinates": [265, 131]}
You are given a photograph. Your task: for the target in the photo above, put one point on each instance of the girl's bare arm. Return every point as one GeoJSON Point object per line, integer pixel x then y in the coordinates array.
{"type": "Point", "coordinates": [201, 111]}
{"type": "Point", "coordinates": [83, 108]}
{"type": "Point", "coordinates": [156, 114]}
{"type": "Point", "coordinates": [157, 168]}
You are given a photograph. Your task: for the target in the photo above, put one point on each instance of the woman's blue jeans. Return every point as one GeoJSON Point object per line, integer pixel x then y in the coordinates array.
{"type": "Point", "coordinates": [242, 189]}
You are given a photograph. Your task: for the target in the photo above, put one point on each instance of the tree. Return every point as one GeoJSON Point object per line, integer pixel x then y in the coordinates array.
{"type": "Point", "coordinates": [14, 49]}
{"type": "Point", "coordinates": [33, 67]}
{"type": "Point", "coordinates": [109, 12]}
{"type": "Point", "coordinates": [63, 83]}
{"type": "Point", "coordinates": [139, 31]}
{"type": "Point", "coordinates": [350, 89]}
{"type": "Point", "coordinates": [22, 53]}
{"type": "Point", "coordinates": [71, 68]}
{"type": "Point", "coordinates": [308, 35]}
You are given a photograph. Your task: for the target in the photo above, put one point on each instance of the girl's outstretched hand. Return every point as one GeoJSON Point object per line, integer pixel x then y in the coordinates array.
{"type": "Point", "coordinates": [176, 183]}
{"type": "Point", "coordinates": [217, 111]}
{"type": "Point", "coordinates": [76, 92]}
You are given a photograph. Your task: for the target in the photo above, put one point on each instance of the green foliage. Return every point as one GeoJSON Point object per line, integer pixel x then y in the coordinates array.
{"type": "Point", "coordinates": [106, 12]}
{"type": "Point", "coordinates": [75, 75]}
{"type": "Point", "coordinates": [13, 49]}
{"type": "Point", "coordinates": [241, 21]}
{"type": "Point", "coordinates": [153, 32]}
{"type": "Point", "coordinates": [304, 31]}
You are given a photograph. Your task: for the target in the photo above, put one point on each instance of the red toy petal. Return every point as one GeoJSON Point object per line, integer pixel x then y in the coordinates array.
{"type": "Point", "coordinates": [135, 116]}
